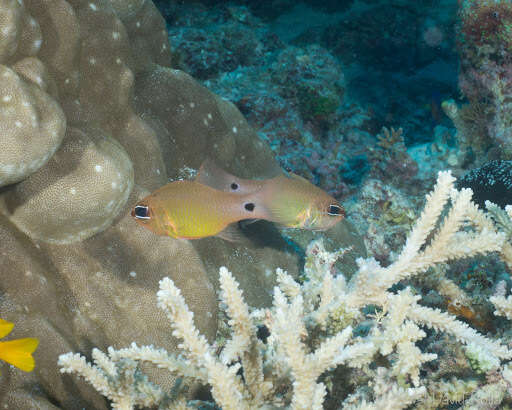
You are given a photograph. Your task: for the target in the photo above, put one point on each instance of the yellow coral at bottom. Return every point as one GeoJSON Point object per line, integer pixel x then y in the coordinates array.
{"type": "Point", "coordinates": [17, 352]}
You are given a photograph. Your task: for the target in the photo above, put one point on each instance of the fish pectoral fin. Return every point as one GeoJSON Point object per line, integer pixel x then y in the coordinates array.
{"type": "Point", "coordinates": [280, 215]}
{"type": "Point", "coordinates": [231, 233]}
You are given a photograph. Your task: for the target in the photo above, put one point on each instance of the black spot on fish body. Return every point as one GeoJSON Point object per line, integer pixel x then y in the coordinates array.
{"type": "Point", "coordinates": [249, 206]}
{"type": "Point", "coordinates": [234, 186]}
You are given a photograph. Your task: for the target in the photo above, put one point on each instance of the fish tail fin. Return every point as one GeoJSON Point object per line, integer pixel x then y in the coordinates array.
{"type": "Point", "coordinates": [19, 353]}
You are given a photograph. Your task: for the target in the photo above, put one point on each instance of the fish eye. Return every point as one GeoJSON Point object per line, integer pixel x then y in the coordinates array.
{"type": "Point", "coordinates": [141, 212]}
{"type": "Point", "coordinates": [249, 206]}
{"type": "Point", "coordinates": [335, 210]}
{"type": "Point", "coordinates": [234, 186]}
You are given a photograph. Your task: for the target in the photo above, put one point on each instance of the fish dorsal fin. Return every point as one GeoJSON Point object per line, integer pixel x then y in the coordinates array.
{"type": "Point", "coordinates": [208, 173]}
{"type": "Point", "coordinates": [215, 177]}
{"type": "Point", "coordinates": [291, 175]}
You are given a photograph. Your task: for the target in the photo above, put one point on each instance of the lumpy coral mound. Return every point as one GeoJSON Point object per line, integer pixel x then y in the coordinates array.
{"type": "Point", "coordinates": [487, 21]}
{"type": "Point", "coordinates": [93, 118]}
{"type": "Point", "coordinates": [486, 27]}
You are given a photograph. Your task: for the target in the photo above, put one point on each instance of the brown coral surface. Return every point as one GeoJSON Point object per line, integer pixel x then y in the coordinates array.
{"type": "Point", "coordinates": [94, 118]}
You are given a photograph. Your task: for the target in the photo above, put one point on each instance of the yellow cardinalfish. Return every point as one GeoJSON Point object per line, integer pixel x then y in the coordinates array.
{"type": "Point", "coordinates": [191, 210]}
{"type": "Point", "coordinates": [17, 352]}
{"type": "Point", "coordinates": [296, 203]}
{"type": "Point", "coordinates": [287, 199]}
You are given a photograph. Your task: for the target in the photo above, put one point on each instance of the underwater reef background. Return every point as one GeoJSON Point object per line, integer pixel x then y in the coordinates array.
{"type": "Point", "coordinates": [104, 101]}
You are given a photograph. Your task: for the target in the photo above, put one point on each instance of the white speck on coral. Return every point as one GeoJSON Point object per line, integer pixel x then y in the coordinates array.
{"type": "Point", "coordinates": [18, 123]}
{"type": "Point", "coordinates": [7, 98]}
{"type": "Point", "coordinates": [137, 24]}
{"type": "Point", "coordinates": [66, 81]}
{"type": "Point", "coordinates": [92, 61]}
{"type": "Point", "coordinates": [192, 105]}
{"type": "Point", "coordinates": [25, 103]}
{"type": "Point", "coordinates": [158, 172]}
{"type": "Point", "coordinates": [133, 274]}
{"type": "Point", "coordinates": [164, 47]}
{"type": "Point", "coordinates": [215, 146]}
{"type": "Point", "coordinates": [93, 6]}
{"type": "Point", "coordinates": [235, 130]}
{"type": "Point", "coordinates": [72, 191]}
{"type": "Point", "coordinates": [205, 122]}
{"type": "Point", "coordinates": [98, 168]}
{"type": "Point", "coordinates": [37, 43]}
{"type": "Point", "coordinates": [114, 185]}
{"type": "Point", "coordinates": [118, 60]}
{"type": "Point", "coordinates": [28, 273]}
{"type": "Point", "coordinates": [116, 35]}
{"type": "Point", "coordinates": [209, 116]}
{"type": "Point", "coordinates": [39, 80]}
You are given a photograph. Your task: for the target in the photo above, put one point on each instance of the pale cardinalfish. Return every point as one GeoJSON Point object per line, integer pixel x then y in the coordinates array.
{"type": "Point", "coordinates": [289, 200]}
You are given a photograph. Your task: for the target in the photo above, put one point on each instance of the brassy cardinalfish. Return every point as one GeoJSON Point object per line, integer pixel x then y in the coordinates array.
{"type": "Point", "coordinates": [215, 200]}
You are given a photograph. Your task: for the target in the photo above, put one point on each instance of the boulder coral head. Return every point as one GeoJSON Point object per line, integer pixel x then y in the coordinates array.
{"type": "Point", "coordinates": [93, 118]}
{"type": "Point", "coordinates": [32, 125]}
{"type": "Point", "coordinates": [87, 182]}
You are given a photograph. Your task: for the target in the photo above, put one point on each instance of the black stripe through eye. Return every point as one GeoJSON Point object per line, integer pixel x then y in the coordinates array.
{"type": "Point", "coordinates": [334, 210]}
{"type": "Point", "coordinates": [141, 212]}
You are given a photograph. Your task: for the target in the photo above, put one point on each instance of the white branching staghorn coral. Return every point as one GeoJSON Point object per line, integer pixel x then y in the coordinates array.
{"type": "Point", "coordinates": [503, 304]}
{"type": "Point", "coordinates": [310, 328]}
